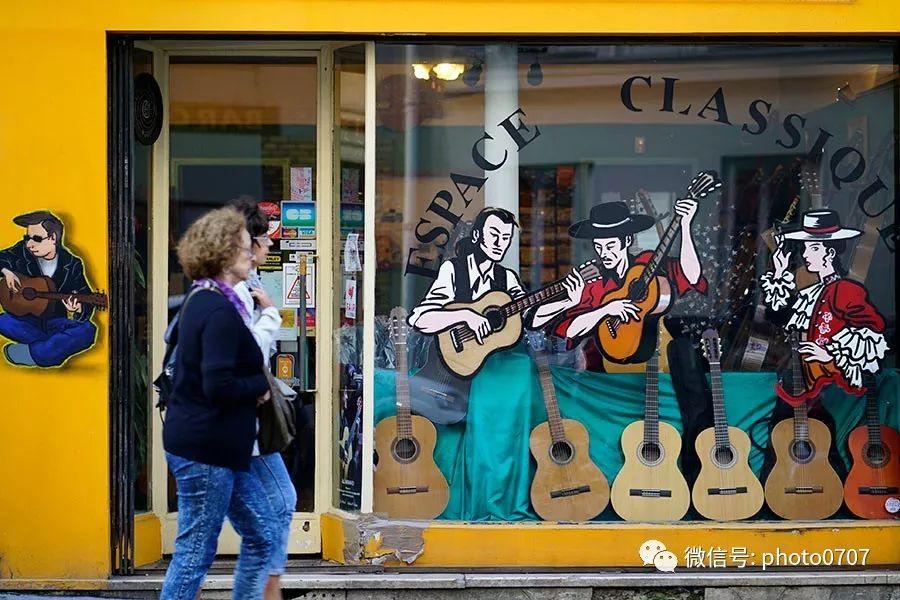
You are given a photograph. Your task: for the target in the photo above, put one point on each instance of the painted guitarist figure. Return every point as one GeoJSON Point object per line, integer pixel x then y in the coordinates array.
{"type": "Point", "coordinates": [844, 331]}
{"type": "Point", "coordinates": [612, 229]}
{"type": "Point", "coordinates": [65, 328]}
{"type": "Point", "coordinates": [475, 271]}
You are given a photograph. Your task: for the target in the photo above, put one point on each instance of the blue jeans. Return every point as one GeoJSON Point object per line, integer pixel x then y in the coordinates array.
{"type": "Point", "coordinates": [52, 341]}
{"type": "Point", "coordinates": [273, 476]}
{"type": "Point", "coordinates": [205, 494]}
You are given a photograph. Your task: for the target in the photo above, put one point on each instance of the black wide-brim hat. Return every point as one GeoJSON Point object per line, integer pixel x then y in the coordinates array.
{"type": "Point", "coordinates": [821, 225]}
{"type": "Point", "coordinates": [608, 220]}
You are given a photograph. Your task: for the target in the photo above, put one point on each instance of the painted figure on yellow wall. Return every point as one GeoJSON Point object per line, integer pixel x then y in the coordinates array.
{"type": "Point", "coordinates": [46, 299]}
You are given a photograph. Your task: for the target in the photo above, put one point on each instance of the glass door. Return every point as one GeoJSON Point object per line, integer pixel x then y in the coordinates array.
{"type": "Point", "coordinates": [244, 123]}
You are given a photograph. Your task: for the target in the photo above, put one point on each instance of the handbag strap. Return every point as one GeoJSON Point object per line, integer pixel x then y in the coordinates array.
{"type": "Point", "coordinates": [173, 335]}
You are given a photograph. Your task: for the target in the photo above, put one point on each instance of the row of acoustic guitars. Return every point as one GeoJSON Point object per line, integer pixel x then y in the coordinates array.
{"type": "Point", "coordinates": [568, 486]}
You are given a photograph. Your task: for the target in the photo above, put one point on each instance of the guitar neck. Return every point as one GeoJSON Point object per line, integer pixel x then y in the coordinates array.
{"type": "Point", "coordinates": [404, 416]}
{"type": "Point", "coordinates": [720, 419]}
{"type": "Point", "coordinates": [873, 422]}
{"type": "Point", "coordinates": [651, 401]}
{"type": "Point", "coordinates": [662, 249]}
{"type": "Point", "coordinates": [554, 419]}
{"type": "Point", "coordinates": [542, 295]}
{"type": "Point", "coordinates": [801, 422]}
{"type": "Point", "coordinates": [63, 296]}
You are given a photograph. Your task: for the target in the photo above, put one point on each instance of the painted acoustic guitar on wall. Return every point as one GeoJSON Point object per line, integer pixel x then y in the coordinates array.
{"type": "Point", "coordinates": [872, 489]}
{"type": "Point", "coordinates": [461, 352]}
{"type": "Point", "coordinates": [37, 294]}
{"type": "Point", "coordinates": [567, 485]}
{"type": "Point", "coordinates": [726, 489]}
{"type": "Point", "coordinates": [650, 487]}
{"type": "Point", "coordinates": [802, 484]}
{"type": "Point", "coordinates": [407, 482]}
{"type": "Point", "coordinates": [635, 341]}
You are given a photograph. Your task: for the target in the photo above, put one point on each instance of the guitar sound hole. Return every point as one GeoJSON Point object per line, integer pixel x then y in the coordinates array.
{"type": "Point", "coordinates": [561, 452]}
{"type": "Point", "coordinates": [876, 455]}
{"type": "Point", "coordinates": [405, 449]}
{"type": "Point", "coordinates": [637, 291]}
{"type": "Point", "coordinates": [495, 318]}
{"type": "Point", "coordinates": [651, 453]}
{"type": "Point", "coordinates": [724, 456]}
{"type": "Point", "coordinates": [802, 451]}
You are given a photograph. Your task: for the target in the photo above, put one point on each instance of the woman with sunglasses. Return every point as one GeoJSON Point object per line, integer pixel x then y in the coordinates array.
{"type": "Point", "coordinates": [210, 426]}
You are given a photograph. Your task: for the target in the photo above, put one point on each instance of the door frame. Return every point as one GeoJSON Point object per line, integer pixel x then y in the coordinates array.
{"type": "Point", "coordinates": [305, 527]}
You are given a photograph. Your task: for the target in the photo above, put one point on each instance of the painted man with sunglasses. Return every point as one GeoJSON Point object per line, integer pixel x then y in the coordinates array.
{"type": "Point", "coordinates": [66, 328]}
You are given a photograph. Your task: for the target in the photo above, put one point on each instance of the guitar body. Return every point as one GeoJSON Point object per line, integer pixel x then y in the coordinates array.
{"type": "Point", "coordinates": [729, 491]}
{"type": "Point", "coordinates": [466, 357]}
{"type": "Point", "coordinates": [634, 341]}
{"type": "Point", "coordinates": [574, 491]}
{"type": "Point", "coordinates": [640, 475]}
{"type": "Point", "coordinates": [873, 467]}
{"type": "Point", "coordinates": [814, 472]}
{"type": "Point", "coordinates": [26, 302]}
{"type": "Point", "coordinates": [437, 394]}
{"type": "Point", "coordinates": [407, 482]}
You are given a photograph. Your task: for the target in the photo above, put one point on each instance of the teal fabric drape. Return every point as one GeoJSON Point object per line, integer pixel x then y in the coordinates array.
{"type": "Point", "coordinates": [486, 458]}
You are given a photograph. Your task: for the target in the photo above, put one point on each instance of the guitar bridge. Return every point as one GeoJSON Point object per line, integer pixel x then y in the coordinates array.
{"type": "Point", "coordinates": [454, 337]}
{"type": "Point", "coordinates": [804, 489]}
{"type": "Point", "coordinates": [650, 493]}
{"type": "Point", "coordinates": [408, 489]}
{"type": "Point", "coordinates": [574, 491]}
{"type": "Point", "coordinates": [730, 491]}
{"type": "Point", "coordinates": [612, 329]}
{"type": "Point", "coordinates": [878, 490]}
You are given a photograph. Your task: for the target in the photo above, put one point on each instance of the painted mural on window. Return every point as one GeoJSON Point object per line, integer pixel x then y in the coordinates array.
{"type": "Point", "coordinates": [645, 297]}
{"type": "Point", "coordinates": [47, 301]}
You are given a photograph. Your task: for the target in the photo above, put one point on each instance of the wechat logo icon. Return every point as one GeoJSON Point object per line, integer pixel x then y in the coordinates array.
{"type": "Point", "coordinates": [653, 552]}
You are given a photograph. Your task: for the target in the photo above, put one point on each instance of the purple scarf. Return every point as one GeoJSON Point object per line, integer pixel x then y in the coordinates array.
{"type": "Point", "coordinates": [229, 293]}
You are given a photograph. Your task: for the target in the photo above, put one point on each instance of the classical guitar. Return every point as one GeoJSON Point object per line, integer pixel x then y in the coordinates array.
{"type": "Point", "coordinates": [802, 484]}
{"type": "Point", "coordinates": [36, 295]}
{"type": "Point", "coordinates": [650, 487]}
{"type": "Point", "coordinates": [635, 341]}
{"type": "Point", "coordinates": [872, 489]}
{"type": "Point", "coordinates": [461, 352]}
{"type": "Point", "coordinates": [726, 489]}
{"type": "Point", "coordinates": [567, 486]}
{"type": "Point", "coordinates": [407, 482]}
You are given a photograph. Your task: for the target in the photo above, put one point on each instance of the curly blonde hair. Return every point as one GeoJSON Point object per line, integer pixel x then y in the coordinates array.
{"type": "Point", "coordinates": [208, 246]}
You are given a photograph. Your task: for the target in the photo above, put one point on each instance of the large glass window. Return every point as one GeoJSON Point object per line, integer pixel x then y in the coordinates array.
{"type": "Point", "coordinates": [635, 282]}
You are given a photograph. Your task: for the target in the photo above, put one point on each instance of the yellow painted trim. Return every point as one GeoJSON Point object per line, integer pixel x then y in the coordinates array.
{"type": "Point", "coordinates": [147, 539]}
{"type": "Point", "coordinates": [451, 544]}
{"type": "Point", "coordinates": [462, 17]}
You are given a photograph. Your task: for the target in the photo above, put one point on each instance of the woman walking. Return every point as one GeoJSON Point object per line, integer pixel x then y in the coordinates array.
{"type": "Point", "coordinates": [264, 321]}
{"type": "Point", "coordinates": [210, 425]}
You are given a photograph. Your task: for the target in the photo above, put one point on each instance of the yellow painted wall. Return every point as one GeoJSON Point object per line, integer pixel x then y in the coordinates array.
{"type": "Point", "coordinates": [54, 509]}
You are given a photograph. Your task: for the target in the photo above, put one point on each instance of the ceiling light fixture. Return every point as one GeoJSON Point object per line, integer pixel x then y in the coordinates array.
{"type": "Point", "coordinates": [422, 70]}
{"type": "Point", "coordinates": [448, 71]}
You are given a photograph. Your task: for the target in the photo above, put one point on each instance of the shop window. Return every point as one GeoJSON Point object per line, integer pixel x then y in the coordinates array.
{"type": "Point", "coordinates": [608, 251]}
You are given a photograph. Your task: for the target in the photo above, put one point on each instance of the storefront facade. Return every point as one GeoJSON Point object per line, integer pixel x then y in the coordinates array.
{"type": "Point", "coordinates": [567, 139]}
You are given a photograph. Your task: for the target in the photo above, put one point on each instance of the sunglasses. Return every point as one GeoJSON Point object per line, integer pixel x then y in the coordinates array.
{"type": "Point", "coordinates": [35, 238]}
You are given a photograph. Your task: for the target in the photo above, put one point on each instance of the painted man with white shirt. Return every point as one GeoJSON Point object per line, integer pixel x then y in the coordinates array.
{"type": "Point", "coordinates": [475, 271]}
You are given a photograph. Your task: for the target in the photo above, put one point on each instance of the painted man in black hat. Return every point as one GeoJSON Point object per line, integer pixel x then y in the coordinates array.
{"type": "Point", "coordinates": [844, 332]}
{"type": "Point", "coordinates": [612, 228]}
{"type": "Point", "coordinates": [66, 329]}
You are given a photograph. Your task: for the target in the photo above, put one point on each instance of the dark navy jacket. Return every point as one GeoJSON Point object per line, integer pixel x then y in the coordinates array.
{"type": "Point", "coordinates": [211, 417]}
{"type": "Point", "coordinates": [69, 276]}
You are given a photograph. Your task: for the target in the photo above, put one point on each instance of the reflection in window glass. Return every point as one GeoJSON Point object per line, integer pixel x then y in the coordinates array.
{"type": "Point", "coordinates": [667, 246]}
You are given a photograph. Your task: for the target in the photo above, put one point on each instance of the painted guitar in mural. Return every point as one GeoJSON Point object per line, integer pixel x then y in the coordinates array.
{"type": "Point", "coordinates": [635, 340]}
{"type": "Point", "coordinates": [36, 295]}
{"type": "Point", "coordinates": [407, 482]}
{"type": "Point", "coordinates": [650, 487]}
{"type": "Point", "coordinates": [872, 489]}
{"type": "Point", "coordinates": [567, 486]}
{"type": "Point", "coordinates": [802, 484]}
{"type": "Point", "coordinates": [726, 489]}
{"type": "Point", "coordinates": [459, 349]}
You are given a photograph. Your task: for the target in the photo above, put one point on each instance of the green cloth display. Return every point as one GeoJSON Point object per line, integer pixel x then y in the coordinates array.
{"type": "Point", "coordinates": [486, 458]}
